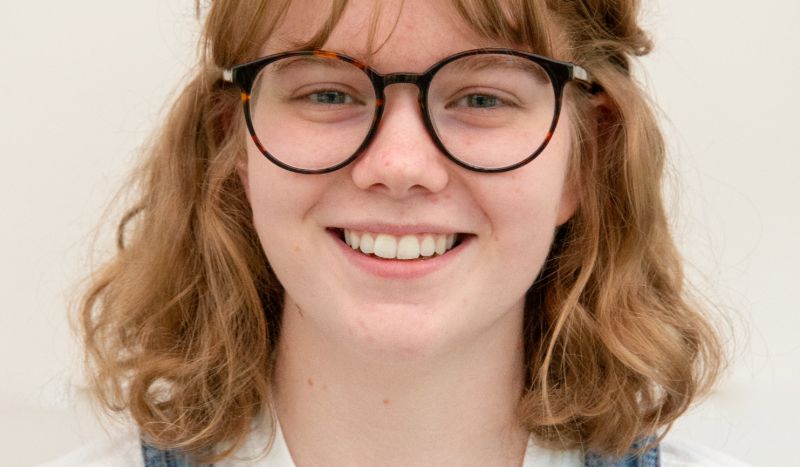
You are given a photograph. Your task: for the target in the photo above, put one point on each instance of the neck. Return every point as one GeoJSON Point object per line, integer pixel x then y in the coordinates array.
{"type": "Point", "coordinates": [457, 406]}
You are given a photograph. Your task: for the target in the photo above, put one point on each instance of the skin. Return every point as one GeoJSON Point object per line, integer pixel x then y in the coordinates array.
{"type": "Point", "coordinates": [407, 372]}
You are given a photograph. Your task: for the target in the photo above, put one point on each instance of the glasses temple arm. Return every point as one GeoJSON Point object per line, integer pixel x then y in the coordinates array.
{"type": "Point", "coordinates": [227, 75]}
{"type": "Point", "coordinates": [578, 73]}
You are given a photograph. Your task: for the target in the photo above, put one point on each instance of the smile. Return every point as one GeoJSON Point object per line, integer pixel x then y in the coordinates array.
{"type": "Point", "coordinates": [405, 247]}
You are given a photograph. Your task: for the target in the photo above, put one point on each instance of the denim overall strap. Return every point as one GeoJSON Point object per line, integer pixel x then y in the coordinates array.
{"type": "Point", "coordinates": [154, 457]}
{"type": "Point", "coordinates": [649, 458]}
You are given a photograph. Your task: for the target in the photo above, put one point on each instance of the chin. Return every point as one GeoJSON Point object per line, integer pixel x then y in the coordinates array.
{"type": "Point", "coordinates": [400, 332]}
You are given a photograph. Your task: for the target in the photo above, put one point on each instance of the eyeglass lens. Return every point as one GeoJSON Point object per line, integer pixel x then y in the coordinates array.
{"type": "Point", "coordinates": [487, 110]}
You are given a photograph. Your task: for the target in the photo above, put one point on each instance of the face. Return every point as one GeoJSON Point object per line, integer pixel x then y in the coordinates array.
{"type": "Point", "coordinates": [403, 186]}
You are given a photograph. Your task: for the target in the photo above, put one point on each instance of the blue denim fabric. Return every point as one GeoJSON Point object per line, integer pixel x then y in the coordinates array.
{"type": "Point", "coordinates": [154, 457]}
{"type": "Point", "coordinates": [650, 458]}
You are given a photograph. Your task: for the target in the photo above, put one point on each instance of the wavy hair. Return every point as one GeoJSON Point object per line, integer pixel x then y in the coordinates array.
{"type": "Point", "coordinates": [180, 326]}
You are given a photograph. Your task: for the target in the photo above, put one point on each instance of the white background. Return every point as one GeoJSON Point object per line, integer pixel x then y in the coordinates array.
{"type": "Point", "coordinates": [83, 83]}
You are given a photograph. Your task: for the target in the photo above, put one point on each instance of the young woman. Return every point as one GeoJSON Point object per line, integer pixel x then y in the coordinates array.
{"type": "Point", "coordinates": [402, 234]}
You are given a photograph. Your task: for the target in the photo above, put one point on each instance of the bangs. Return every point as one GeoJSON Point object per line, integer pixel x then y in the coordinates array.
{"type": "Point", "coordinates": [513, 23]}
{"type": "Point", "coordinates": [517, 23]}
{"type": "Point", "coordinates": [522, 24]}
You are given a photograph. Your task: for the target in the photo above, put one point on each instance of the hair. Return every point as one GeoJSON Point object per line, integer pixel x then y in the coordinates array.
{"type": "Point", "coordinates": [181, 324]}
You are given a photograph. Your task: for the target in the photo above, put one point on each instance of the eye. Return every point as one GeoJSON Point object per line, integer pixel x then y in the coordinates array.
{"type": "Point", "coordinates": [329, 97]}
{"type": "Point", "coordinates": [480, 101]}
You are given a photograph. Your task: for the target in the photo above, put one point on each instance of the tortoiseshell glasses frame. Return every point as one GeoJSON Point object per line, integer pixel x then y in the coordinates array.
{"type": "Point", "coordinates": [560, 74]}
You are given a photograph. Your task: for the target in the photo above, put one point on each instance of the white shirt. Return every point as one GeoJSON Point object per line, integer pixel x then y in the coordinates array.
{"type": "Point", "coordinates": [126, 451]}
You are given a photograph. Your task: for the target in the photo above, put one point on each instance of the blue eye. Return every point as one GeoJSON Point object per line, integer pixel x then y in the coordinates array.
{"type": "Point", "coordinates": [330, 97]}
{"type": "Point", "coordinates": [480, 101]}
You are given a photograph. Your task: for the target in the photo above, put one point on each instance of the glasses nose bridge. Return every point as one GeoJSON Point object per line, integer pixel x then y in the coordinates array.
{"type": "Point", "coordinates": [417, 79]}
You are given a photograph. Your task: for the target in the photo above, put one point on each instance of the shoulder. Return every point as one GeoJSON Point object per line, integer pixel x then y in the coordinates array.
{"type": "Point", "coordinates": [125, 450]}
{"type": "Point", "coordinates": [121, 450]}
{"type": "Point", "coordinates": [681, 453]}
{"type": "Point", "coordinates": [672, 453]}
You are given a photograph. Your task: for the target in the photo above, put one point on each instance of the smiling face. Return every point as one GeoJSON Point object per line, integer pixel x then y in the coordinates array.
{"type": "Point", "coordinates": [407, 199]}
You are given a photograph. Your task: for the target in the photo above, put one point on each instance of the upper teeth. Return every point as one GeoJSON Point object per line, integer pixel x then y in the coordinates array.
{"type": "Point", "coordinates": [405, 247]}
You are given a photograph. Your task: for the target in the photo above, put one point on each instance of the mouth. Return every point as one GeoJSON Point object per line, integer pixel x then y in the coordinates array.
{"type": "Point", "coordinates": [412, 247]}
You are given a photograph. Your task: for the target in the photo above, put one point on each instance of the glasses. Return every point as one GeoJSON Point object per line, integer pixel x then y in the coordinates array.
{"type": "Point", "coordinates": [487, 110]}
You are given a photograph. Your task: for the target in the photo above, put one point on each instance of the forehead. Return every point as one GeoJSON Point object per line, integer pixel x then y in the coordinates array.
{"type": "Point", "coordinates": [408, 35]}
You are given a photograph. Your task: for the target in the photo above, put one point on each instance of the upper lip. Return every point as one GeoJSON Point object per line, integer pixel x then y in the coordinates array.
{"type": "Point", "coordinates": [399, 229]}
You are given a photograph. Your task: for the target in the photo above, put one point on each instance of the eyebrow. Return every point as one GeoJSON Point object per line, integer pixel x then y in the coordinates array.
{"type": "Point", "coordinates": [282, 66]}
{"type": "Point", "coordinates": [470, 64]}
{"type": "Point", "coordinates": [481, 62]}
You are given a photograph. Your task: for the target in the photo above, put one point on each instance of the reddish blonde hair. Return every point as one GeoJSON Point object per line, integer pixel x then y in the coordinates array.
{"type": "Point", "coordinates": [180, 325]}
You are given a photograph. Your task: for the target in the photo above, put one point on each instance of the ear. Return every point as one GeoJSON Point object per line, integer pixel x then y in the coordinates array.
{"type": "Point", "coordinates": [568, 203]}
{"type": "Point", "coordinates": [598, 104]}
{"type": "Point", "coordinates": [241, 170]}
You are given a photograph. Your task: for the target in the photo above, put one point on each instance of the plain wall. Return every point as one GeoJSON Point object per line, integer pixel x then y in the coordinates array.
{"type": "Point", "coordinates": [83, 84]}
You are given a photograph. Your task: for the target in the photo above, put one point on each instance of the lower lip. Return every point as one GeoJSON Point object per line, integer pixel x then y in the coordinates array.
{"type": "Point", "coordinates": [397, 268]}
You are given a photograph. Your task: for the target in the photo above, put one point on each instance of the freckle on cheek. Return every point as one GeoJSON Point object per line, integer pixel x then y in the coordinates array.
{"type": "Point", "coordinates": [386, 402]}
{"type": "Point", "coordinates": [311, 382]}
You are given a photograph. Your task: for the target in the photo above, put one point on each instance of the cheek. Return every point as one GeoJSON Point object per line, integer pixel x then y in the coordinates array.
{"type": "Point", "coordinates": [526, 206]}
{"type": "Point", "coordinates": [280, 201]}
{"type": "Point", "coordinates": [277, 195]}
{"type": "Point", "coordinates": [534, 195]}
{"type": "Point", "coordinates": [523, 233]}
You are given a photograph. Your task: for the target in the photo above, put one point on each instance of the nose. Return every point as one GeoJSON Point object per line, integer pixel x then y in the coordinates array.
{"type": "Point", "coordinates": [402, 160]}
